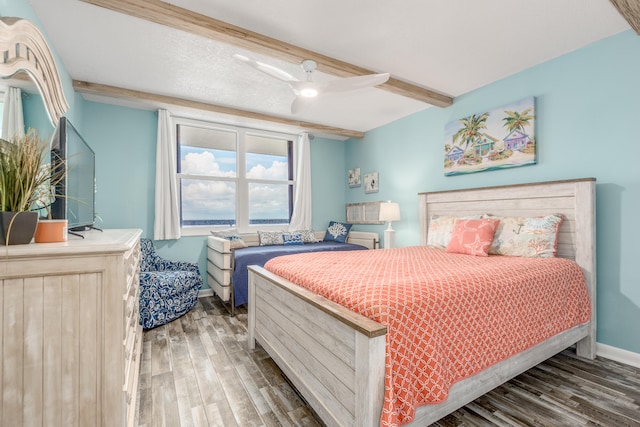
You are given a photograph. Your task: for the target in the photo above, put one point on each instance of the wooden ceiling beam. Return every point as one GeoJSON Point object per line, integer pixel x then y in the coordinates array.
{"type": "Point", "coordinates": [156, 99]}
{"type": "Point", "coordinates": [630, 10]}
{"type": "Point", "coordinates": [186, 20]}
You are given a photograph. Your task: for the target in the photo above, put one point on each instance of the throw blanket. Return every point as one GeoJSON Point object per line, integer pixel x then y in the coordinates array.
{"type": "Point", "coordinates": [258, 255]}
{"type": "Point", "coordinates": [448, 316]}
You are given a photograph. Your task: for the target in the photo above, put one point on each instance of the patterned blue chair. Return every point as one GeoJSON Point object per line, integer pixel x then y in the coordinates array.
{"type": "Point", "coordinates": [168, 289]}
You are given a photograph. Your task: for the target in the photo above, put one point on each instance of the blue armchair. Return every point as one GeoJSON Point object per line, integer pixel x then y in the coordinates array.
{"type": "Point", "coordinates": [168, 289]}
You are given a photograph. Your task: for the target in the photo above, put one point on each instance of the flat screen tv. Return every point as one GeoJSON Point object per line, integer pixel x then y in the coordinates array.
{"type": "Point", "coordinates": [75, 194]}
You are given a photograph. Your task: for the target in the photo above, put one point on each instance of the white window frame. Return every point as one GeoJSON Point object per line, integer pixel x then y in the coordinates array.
{"type": "Point", "coordinates": [241, 180]}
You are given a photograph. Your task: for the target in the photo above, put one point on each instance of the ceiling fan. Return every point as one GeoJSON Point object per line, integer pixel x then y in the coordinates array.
{"type": "Point", "coordinates": [306, 90]}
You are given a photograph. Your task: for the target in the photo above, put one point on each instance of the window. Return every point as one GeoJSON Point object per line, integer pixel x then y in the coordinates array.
{"type": "Point", "coordinates": [233, 177]}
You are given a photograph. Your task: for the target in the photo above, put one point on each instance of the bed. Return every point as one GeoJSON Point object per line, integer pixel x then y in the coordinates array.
{"type": "Point", "coordinates": [281, 313]}
{"type": "Point", "coordinates": [226, 267]}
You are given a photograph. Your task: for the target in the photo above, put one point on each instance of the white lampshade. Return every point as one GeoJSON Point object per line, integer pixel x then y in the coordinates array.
{"type": "Point", "coordinates": [389, 211]}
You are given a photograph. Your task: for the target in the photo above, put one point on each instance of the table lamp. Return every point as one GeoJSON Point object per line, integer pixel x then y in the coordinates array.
{"type": "Point", "coordinates": [389, 212]}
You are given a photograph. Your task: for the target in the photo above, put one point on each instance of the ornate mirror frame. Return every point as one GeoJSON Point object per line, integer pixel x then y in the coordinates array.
{"type": "Point", "coordinates": [24, 48]}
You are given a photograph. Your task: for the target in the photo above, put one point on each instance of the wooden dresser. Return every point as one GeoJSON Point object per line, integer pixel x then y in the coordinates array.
{"type": "Point", "coordinates": [71, 341]}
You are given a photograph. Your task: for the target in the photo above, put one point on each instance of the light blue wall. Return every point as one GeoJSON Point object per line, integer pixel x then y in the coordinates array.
{"type": "Point", "coordinates": [588, 109]}
{"type": "Point", "coordinates": [124, 141]}
{"type": "Point", "coordinates": [35, 115]}
{"type": "Point", "coordinates": [327, 176]}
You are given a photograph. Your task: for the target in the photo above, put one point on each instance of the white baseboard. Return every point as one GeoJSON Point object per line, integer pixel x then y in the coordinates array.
{"type": "Point", "coordinates": [205, 293]}
{"type": "Point", "coordinates": [618, 354]}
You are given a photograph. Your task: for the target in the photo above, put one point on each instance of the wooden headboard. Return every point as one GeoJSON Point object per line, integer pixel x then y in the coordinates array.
{"type": "Point", "coordinates": [575, 199]}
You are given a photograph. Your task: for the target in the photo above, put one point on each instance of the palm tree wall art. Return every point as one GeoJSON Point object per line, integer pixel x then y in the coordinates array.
{"type": "Point", "coordinates": [501, 138]}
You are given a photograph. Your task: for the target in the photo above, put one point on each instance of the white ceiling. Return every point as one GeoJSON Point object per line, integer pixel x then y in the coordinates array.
{"type": "Point", "coordinates": [451, 47]}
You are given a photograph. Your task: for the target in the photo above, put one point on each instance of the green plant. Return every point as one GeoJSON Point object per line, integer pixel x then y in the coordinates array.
{"type": "Point", "coordinates": [27, 177]}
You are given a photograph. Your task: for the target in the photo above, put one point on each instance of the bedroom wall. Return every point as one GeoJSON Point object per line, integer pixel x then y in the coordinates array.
{"type": "Point", "coordinates": [587, 113]}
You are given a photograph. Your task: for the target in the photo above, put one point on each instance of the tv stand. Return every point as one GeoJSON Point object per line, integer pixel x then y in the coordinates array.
{"type": "Point", "coordinates": [75, 233]}
{"type": "Point", "coordinates": [76, 230]}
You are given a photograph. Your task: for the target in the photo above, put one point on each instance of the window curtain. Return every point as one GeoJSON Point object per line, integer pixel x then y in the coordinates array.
{"type": "Point", "coordinates": [12, 117]}
{"type": "Point", "coordinates": [301, 218]}
{"type": "Point", "coordinates": [167, 213]}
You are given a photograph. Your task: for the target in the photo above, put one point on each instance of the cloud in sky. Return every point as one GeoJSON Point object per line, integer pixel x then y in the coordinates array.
{"type": "Point", "coordinates": [203, 163]}
{"type": "Point", "coordinates": [203, 199]}
{"type": "Point", "coordinates": [278, 170]}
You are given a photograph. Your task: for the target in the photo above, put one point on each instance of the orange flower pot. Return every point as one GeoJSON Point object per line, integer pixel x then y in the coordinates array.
{"type": "Point", "coordinates": [51, 230]}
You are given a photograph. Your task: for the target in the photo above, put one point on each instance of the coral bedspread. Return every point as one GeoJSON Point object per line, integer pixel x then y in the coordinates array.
{"type": "Point", "coordinates": [448, 316]}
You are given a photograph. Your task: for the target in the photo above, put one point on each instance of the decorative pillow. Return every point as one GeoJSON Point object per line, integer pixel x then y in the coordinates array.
{"type": "Point", "coordinates": [532, 237]}
{"type": "Point", "coordinates": [337, 232]}
{"type": "Point", "coordinates": [232, 236]}
{"type": "Point", "coordinates": [292, 239]}
{"type": "Point", "coordinates": [441, 227]}
{"type": "Point", "coordinates": [267, 238]}
{"type": "Point", "coordinates": [472, 236]}
{"type": "Point", "coordinates": [308, 236]}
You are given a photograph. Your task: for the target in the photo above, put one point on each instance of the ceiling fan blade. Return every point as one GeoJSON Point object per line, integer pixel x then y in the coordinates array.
{"type": "Point", "coordinates": [300, 103]}
{"type": "Point", "coordinates": [265, 68]}
{"type": "Point", "coordinates": [353, 83]}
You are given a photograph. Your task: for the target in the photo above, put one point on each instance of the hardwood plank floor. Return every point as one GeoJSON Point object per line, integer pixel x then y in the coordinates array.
{"type": "Point", "coordinates": [197, 371]}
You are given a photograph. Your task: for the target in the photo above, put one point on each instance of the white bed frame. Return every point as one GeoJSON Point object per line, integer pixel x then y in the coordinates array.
{"type": "Point", "coordinates": [336, 358]}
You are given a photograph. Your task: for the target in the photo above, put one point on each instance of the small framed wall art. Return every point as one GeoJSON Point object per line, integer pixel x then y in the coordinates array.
{"type": "Point", "coordinates": [354, 177]}
{"type": "Point", "coordinates": [371, 182]}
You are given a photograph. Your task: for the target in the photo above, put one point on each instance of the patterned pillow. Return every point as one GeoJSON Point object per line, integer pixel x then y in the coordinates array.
{"type": "Point", "coordinates": [232, 236]}
{"type": "Point", "coordinates": [533, 237]}
{"type": "Point", "coordinates": [472, 236]}
{"type": "Point", "coordinates": [292, 239]}
{"type": "Point", "coordinates": [337, 232]}
{"type": "Point", "coordinates": [268, 238]}
{"type": "Point", "coordinates": [308, 236]}
{"type": "Point", "coordinates": [441, 227]}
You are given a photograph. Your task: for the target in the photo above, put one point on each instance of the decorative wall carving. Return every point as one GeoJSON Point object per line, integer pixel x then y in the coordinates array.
{"type": "Point", "coordinates": [24, 48]}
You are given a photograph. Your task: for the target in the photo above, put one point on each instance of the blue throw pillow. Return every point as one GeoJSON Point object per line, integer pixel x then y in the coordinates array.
{"type": "Point", "coordinates": [337, 232]}
{"type": "Point", "coordinates": [292, 239]}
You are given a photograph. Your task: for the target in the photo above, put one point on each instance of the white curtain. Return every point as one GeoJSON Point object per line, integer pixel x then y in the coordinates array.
{"type": "Point", "coordinates": [167, 213]}
{"type": "Point", "coordinates": [12, 117]}
{"type": "Point", "coordinates": [301, 218]}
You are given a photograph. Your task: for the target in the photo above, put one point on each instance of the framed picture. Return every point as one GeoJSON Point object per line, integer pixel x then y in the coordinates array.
{"type": "Point", "coordinates": [354, 177]}
{"type": "Point", "coordinates": [491, 140]}
{"type": "Point", "coordinates": [371, 182]}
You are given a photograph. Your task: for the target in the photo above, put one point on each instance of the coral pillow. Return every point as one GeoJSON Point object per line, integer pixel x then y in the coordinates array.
{"type": "Point", "coordinates": [472, 236]}
{"type": "Point", "coordinates": [441, 227]}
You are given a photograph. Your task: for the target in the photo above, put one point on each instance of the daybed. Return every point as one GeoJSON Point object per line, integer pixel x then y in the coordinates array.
{"type": "Point", "coordinates": [336, 357]}
{"type": "Point", "coordinates": [227, 274]}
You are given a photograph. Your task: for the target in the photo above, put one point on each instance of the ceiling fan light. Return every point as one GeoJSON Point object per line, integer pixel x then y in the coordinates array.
{"type": "Point", "coordinates": [309, 92]}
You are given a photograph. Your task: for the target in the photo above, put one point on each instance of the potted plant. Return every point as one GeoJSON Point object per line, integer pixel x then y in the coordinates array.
{"type": "Point", "coordinates": [49, 230]}
{"type": "Point", "coordinates": [25, 176]}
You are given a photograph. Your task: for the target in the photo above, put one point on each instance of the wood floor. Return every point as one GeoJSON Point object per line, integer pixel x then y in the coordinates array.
{"type": "Point", "coordinates": [197, 371]}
